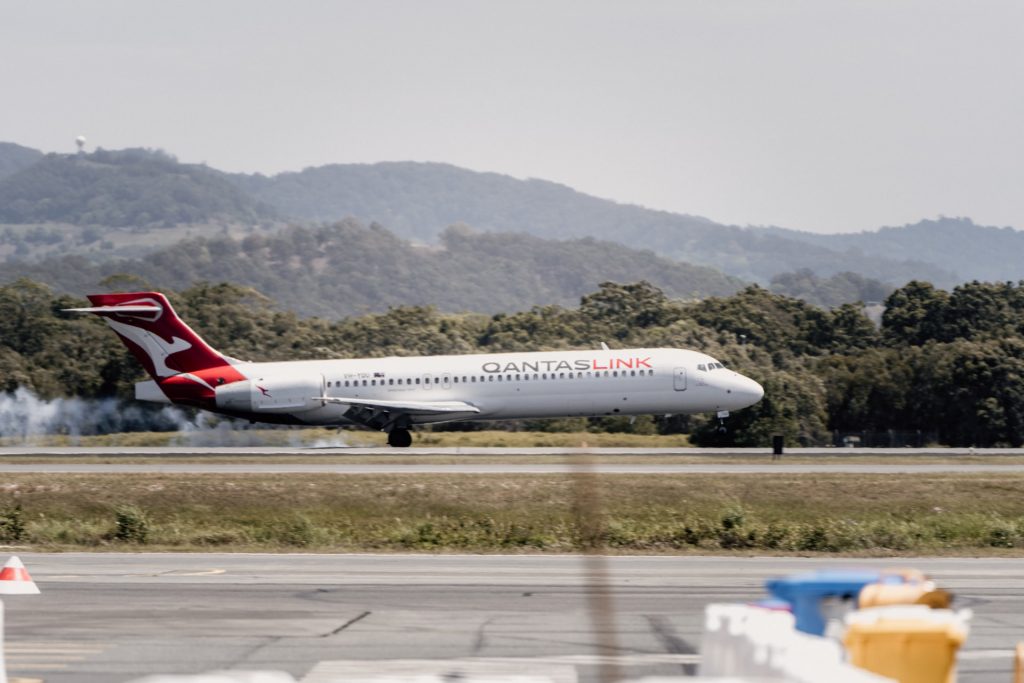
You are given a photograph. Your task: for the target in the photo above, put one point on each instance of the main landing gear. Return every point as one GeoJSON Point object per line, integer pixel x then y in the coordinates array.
{"type": "Point", "coordinates": [399, 438]}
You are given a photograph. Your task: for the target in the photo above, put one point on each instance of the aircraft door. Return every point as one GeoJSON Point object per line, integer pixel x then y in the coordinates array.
{"type": "Point", "coordinates": [446, 381]}
{"type": "Point", "coordinates": [679, 379]}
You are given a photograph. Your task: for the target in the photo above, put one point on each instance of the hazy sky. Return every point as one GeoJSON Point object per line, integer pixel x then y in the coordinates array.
{"type": "Point", "coordinates": [820, 115]}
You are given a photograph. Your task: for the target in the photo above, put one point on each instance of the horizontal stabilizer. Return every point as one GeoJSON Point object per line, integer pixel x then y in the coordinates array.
{"type": "Point", "coordinates": [119, 310]}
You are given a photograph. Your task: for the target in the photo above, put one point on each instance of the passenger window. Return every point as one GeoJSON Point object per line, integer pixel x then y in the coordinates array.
{"type": "Point", "coordinates": [499, 378]}
{"type": "Point", "coordinates": [491, 378]}
{"type": "Point", "coordinates": [417, 380]}
{"type": "Point", "coordinates": [346, 383]}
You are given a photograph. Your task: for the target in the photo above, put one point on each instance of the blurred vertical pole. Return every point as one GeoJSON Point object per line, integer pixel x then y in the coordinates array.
{"type": "Point", "coordinates": [589, 519]}
{"type": "Point", "coordinates": [3, 646]}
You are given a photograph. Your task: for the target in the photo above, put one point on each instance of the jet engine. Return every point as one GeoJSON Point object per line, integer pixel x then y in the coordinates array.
{"type": "Point", "coordinates": [271, 394]}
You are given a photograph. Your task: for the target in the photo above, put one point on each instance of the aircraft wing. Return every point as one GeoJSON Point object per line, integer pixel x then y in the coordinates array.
{"type": "Point", "coordinates": [384, 414]}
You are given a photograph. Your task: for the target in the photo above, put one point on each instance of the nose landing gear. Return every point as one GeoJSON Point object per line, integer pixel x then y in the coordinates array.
{"type": "Point", "coordinates": [399, 438]}
{"type": "Point", "coordinates": [722, 414]}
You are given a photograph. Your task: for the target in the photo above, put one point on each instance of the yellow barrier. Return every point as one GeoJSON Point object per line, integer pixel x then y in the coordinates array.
{"type": "Point", "coordinates": [908, 650]}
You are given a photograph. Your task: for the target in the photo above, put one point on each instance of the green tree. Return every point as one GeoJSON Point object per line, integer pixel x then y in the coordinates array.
{"type": "Point", "coordinates": [618, 310]}
{"type": "Point", "coordinates": [914, 314]}
{"type": "Point", "coordinates": [771, 321]}
{"type": "Point", "coordinates": [984, 310]}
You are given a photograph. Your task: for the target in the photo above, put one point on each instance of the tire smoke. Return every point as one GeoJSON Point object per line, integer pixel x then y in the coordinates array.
{"type": "Point", "coordinates": [25, 418]}
{"type": "Point", "coordinates": [23, 415]}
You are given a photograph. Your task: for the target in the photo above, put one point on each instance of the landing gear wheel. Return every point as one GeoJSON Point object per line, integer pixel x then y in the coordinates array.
{"type": "Point", "coordinates": [399, 438]}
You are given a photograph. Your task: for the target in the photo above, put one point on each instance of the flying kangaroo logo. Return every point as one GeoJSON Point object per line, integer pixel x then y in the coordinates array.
{"type": "Point", "coordinates": [156, 348]}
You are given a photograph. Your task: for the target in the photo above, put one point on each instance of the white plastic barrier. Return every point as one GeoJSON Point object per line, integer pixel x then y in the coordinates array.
{"type": "Point", "coordinates": [222, 677]}
{"type": "Point", "coordinates": [704, 679]}
{"type": "Point", "coordinates": [752, 642]}
{"type": "Point", "coordinates": [466, 670]}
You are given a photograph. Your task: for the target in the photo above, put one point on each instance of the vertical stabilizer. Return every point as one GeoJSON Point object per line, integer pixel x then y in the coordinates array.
{"type": "Point", "coordinates": [171, 352]}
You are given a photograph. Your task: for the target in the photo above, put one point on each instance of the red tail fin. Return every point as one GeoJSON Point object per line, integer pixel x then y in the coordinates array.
{"type": "Point", "coordinates": [163, 343]}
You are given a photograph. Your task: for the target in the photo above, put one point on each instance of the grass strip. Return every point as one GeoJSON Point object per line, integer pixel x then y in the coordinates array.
{"type": "Point", "coordinates": [779, 514]}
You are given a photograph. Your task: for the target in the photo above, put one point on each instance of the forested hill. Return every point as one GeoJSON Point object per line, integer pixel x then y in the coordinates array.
{"type": "Point", "coordinates": [14, 157]}
{"type": "Point", "coordinates": [126, 188]}
{"type": "Point", "coordinates": [955, 244]}
{"type": "Point", "coordinates": [150, 189]}
{"type": "Point", "coordinates": [418, 200]}
{"type": "Point", "coordinates": [346, 268]}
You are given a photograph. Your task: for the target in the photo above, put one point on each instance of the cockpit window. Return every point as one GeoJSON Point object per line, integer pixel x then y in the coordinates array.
{"type": "Point", "coordinates": [702, 367]}
{"type": "Point", "coordinates": [719, 366]}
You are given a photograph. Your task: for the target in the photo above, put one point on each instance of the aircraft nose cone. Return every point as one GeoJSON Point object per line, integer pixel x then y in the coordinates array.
{"type": "Point", "coordinates": [755, 390]}
{"type": "Point", "coordinates": [745, 391]}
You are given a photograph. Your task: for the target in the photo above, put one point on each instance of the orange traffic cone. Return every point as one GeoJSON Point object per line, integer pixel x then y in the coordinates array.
{"type": "Point", "coordinates": [14, 579]}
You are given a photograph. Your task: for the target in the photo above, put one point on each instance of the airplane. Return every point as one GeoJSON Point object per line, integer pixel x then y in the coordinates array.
{"type": "Point", "coordinates": [393, 394]}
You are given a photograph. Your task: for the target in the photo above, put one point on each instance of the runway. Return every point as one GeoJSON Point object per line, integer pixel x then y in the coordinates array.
{"type": "Point", "coordinates": [263, 460]}
{"type": "Point", "coordinates": [112, 617]}
{"type": "Point", "coordinates": [235, 460]}
{"type": "Point", "coordinates": [492, 451]}
{"type": "Point", "coordinates": [503, 468]}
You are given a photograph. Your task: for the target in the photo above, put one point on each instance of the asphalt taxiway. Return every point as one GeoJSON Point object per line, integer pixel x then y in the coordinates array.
{"type": "Point", "coordinates": [111, 617]}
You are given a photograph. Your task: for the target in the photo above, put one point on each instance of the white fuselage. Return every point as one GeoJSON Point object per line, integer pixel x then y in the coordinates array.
{"type": "Point", "coordinates": [504, 386]}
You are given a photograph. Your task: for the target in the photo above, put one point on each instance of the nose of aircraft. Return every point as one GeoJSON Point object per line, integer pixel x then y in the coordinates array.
{"type": "Point", "coordinates": [744, 391]}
